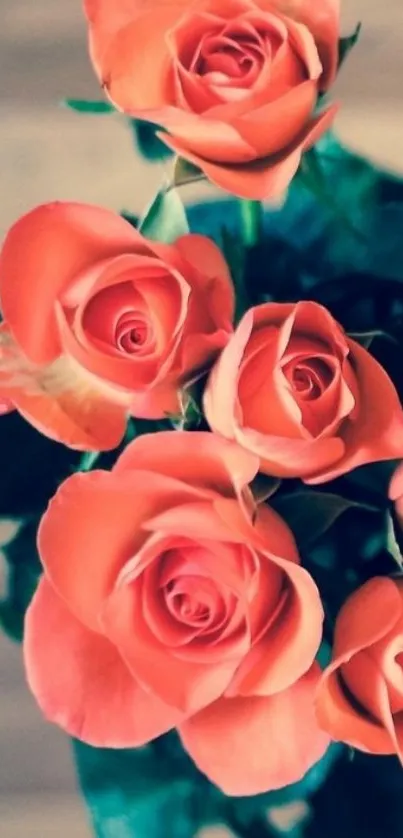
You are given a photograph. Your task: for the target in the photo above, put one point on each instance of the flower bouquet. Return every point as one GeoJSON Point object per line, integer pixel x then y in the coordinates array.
{"type": "Point", "coordinates": [206, 573]}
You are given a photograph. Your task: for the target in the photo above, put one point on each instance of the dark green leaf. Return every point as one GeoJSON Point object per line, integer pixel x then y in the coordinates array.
{"type": "Point", "coordinates": [185, 173]}
{"type": "Point", "coordinates": [367, 338]}
{"type": "Point", "coordinates": [191, 415]}
{"type": "Point", "coordinates": [142, 793]}
{"type": "Point", "coordinates": [263, 487]}
{"type": "Point", "coordinates": [310, 514]}
{"type": "Point", "coordinates": [165, 219]}
{"type": "Point", "coordinates": [392, 544]}
{"type": "Point", "coordinates": [314, 175]}
{"type": "Point", "coordinates": [347, 43]}
{"type": "Point", "coordinates": [89, 106]}
{"type": "Point", "coordinates": [147, 142]}
{"type": "Point", "coordinates": [23, 571]}
{"type": "Point", "coordinates": [246, 808]}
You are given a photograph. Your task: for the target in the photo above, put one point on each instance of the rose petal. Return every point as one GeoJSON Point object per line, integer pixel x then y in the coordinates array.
{"type": "Point", "coordinates": [156, 402]}
{"type": "Point", "coordinates": [258, 180]}
{"type": "Point", "coordinates": [367, 616]}
{"type": "Point", "coordinates": [92, 527]}
{"type": "Point", "coordinates": [251, 745]}
{"type": "Point", "coordinates": [184, 684]}
{"type": "Point", "coordinates": [287, 649]}
{"type": "Point", "coordinates": [344, 723]}
{"type": "Point", "coordinates": [202, 135]}
{"type": "Point", "coordinates": [322, 20]}
{"type": "Point", "coordinates": [134, 77]}
{"type": "Point", "coordinates": [377, 433]}
{"type": "Point", "coordinates": [6, 405]}
{"type": "Point", "coordinates": [199, 458]}
{"type": "Point", "coordinates": [61, 400]}
{"type": "Point", "coordinates": [210, 271]}
{"type": "Point", "coordinates": [82, 684]}
{"type": "Point", "coordinates": [43, 252]}
{"type": "Point", "coordinates": [274, 126]}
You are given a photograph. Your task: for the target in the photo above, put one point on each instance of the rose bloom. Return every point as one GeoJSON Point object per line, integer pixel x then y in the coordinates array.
{"type": "Point", "coordinates": [360, 698]}
{"type": "Point", "coordinates": [294, 389]}
{"type": "Point", "coordinates": [172, 601]}
{"type": "Point", "coordinates": [233, 82]}
{"type": "Point", "coordinates": [101, 323]}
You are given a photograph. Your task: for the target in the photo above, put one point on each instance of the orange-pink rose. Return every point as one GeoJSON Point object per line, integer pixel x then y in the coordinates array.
{"type": "Point", "coordinates": [234, 83]}
{"type": "Point", "coordinates": [360, 698]}
{"type": "Point", "coordinates": [101, 323]}
{"type": "Point", "coordinates": [172, 601]}
{"type": "Point", "coordinates": [310, 402]}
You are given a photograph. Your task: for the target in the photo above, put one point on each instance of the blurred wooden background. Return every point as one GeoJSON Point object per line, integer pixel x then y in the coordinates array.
{"type": "Point", "coordinates": [47, 152]}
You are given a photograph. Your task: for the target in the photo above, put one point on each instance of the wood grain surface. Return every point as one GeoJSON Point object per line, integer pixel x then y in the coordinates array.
{"type": "Point", "coordinates": [47, 152]}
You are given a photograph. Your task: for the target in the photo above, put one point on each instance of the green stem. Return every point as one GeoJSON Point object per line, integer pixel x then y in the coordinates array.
{"type": "Point", "coordinates": [251, 222]}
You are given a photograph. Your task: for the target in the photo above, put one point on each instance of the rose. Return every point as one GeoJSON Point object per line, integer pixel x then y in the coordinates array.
{"type": "Point", "coordinates": [172, 601]}
{"type": "Point", "coordinates": [360, 698]}
{"type": "Point", "coordinates": [294, 389]}
{"type": "Point", "coordinates": [100, 322]}
{"type": "Point", "coordinates": [234, 82]}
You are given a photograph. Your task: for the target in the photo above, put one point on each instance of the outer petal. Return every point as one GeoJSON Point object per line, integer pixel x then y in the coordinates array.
{"type": "Point", "coordinates": [92, 527]}
{"type": "Point", "coordinates": [274, 126]}
{"type": "Point", "coordinates": [257, 180]}
{"type": "Point", "coordinates": [251, 745]}
{"type": "Point", "coordinates": [156, 402]}
{"type": "Point", "coordinates": [377, 433]}
{"type": "Point", "coordinates": [265, 178]}
{"type": "Point", "coordinates": [135, 76]}
{"type": "Point", "coordinates": [107, 18]}
{"type": "Point", "coordinates": [322, 20]}
{"type": "Point", "coordinates": [42, 253]}
{"type": "Point", "coordinates": [368, 615]}
{"type": "Point", "coordinates": [211, 277]}
{"type": "Point", "coordinates": [61, 400]}
{"type": "Point", "coordinates": [212, 138]}
{"type": "Point", "coordinates": [287, 649]}
{"type": "Point", "coordinates": [201, 459]}
{"type": "Point", "coordinates": [6, 405]}
{"type": "Point", "coordinates": [82, 684]}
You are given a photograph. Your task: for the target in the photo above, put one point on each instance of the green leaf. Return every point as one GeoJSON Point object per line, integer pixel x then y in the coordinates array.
{"type": "Point", "coordinates": [264, 487]}
{"type": "Point", "coordinates": [190, 416]}
{"type": "Point", "coordinates": [392, 544]}
{"type": "Point", "coordinates": [89, 106]}
{"type": "Point", "coordinates": [185, 173]}
{"type": "Point", "coordinates": [147, 142]}
{"type": "Point", "coordinates": [165, 219]}
{"type": "Point", "coordinates": [367, 338]}
{"type": "Point", "coordinates": [347, 43]}
{"type": "Point", "coordinates": [23, 571]}
{"type": "Point", "coordinates": [315, 174]}
{"type": "Point", "coordinates": [310, 514]}
{"type": "Point", "coordinates": [143, 793]}
{"type": "Point", "coordinates": [245, 809]}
